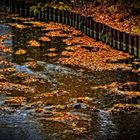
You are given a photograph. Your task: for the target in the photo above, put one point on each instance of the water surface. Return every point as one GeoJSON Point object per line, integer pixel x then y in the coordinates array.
{"type": "Point", "coordinates": [73, 108]}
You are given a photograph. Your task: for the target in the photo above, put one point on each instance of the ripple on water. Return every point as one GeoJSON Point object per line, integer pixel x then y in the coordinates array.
{"type": "Point", "coordinates": [107, 127]}
{"type": "Point", "coordinates": [4, 29]}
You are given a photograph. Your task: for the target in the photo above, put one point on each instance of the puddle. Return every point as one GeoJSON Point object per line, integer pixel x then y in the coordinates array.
{"type": "Point", "coordinates": [69, 94]}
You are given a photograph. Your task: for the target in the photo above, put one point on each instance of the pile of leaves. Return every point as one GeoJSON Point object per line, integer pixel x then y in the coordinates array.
{"type": "Point", "coordinates": [117, 15]}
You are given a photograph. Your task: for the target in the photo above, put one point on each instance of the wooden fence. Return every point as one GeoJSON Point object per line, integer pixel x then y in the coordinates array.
{"type": "Point", "coordinates": [118, 40]}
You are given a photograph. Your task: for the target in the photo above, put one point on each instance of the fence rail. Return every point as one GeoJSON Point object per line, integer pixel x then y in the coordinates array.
{"type": "Point", "coordinates": [118, 40]}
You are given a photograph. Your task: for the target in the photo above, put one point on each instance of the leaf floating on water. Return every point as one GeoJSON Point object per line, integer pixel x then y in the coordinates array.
{"type": "Point", "coordinates": [18, 26]}
{"type": "Point", "coordinates": [5, 49]}
{"type": "Point", "coordinates": [20, 52]}
{"type": "Point", "coordinates": [56, 33]}
{"type": "Point", "coordinates": [34, 43]}
{"type": "Point", "coordinates": [8, 70]}
{"type": "Point", "coordinates": [14, 101]}
{"type": "Point", "coordinates": [124, 109]}
{"type": "Point", "coordinates": [55, 91]}
{"type": "Point", "coordinates": [44, 38]}
{"type": "Point", "coordinates": [51, 54]}
{"type": "Point", "coordinates": [6, 86]}
{"type": "Point", "coordinates": [2, 77]}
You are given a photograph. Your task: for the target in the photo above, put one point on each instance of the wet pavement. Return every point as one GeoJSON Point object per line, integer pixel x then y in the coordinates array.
{"type": "Point", "coordinates": [41, 98]}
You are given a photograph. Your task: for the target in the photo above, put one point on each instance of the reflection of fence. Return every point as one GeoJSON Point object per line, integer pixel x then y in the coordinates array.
{"type": "Point", "coordinates": [117, 39]}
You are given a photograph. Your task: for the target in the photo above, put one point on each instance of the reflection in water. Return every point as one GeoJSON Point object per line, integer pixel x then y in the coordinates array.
{"type": "Point", "coordinates": [4, 29]}
{"type": "Point", "coordinates": [8, 42]}
{"type": "Point", "coordinates": [17, 126]}
{"type": "Point", "coordinates": [107, 127]}
{"type": "Point", "coordinates": [23, 69]}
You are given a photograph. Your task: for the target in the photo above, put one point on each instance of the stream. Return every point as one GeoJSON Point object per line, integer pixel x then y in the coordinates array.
{"type": "Point", "coordinates": [56, 102]}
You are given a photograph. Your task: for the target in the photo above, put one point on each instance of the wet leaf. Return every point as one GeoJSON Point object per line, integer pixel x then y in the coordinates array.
{"type": "Point", "coordinates": [34, 43]}
{"type": "Point", "coordinates": [20, 52]}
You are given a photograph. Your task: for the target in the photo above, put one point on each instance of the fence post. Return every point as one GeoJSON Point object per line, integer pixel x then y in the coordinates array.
{"type": "Point", "coordinates": [124, 42]}
{"type": "Point", "coordinates": [129, 44]}
{"type": "Point", "coordinates": [79, 22]}
{"type": "Point", "coordinates": [139, 47]}
{"type": "Point", "coordinates": [63, 18]}
{"type": "Point", "coordinates": [38, 16]}
{"type": "Point", "coordinates": [58, 15]}
{"type": "Point", "coordinates": [49, 13]}
{"type": "Point", "coordinates": [67, 17]}
{"type": "Point", "coordinates": [18, 7]}
{"type": "Point", "coordinates": [27, 9]}
{"type": "Point", "coordinates": [32, 13]}
{"type": "Point", "coordinates": [88, 25]}
{"type": "Point", "coordinates": [75, 22]}
{"type": "Point", "coordinates": [10, 5]}
{"type": "Point", "coordinates": [41, 15]}
{"type": "Point", "coordinates": [13, 6]}
{"type": "Point", "coordinates": [103, 33]}
{"type": "Point", "coordinates": [107, 34]}
{"type": "Point", "coordinates": [91, 27]}
{"type": "Point", "coordinates": [46, 14]}
{"type": "Point", "coordinates": [136, 46]}
{"type": "Point", "coordinates": [99, 31]}
{"type": "Point", "coordinates": [118, 40]}
{"type": "Point", "coordinates": [72, 22]}
{"type": "Point", "coordinates": [111, 37]}
{"type": "Point", "coordinates": [70, 18]}
{"type": "Point", "coordinates": [114, 38]}
{"type": "Point", "coordinates": [95, 28]}
{"type": "Point", "coordinates": [54, 15]}
{"type": "Point", "coordinates": [121, 41]}
{"type": "Point", "coordinates": [23, 8]}
{"type": "Point", "coordinates": [84, 25]}
{"type": "Point", "coordinates": [73, 19]}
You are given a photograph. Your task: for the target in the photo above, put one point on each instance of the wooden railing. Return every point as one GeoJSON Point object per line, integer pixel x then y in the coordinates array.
{"type": "Point", "coordinates": [118, 40]}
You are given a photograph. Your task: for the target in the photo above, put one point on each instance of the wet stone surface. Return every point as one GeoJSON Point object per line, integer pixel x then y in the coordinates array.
{"type": "Point", "coordinates": [56, 83]}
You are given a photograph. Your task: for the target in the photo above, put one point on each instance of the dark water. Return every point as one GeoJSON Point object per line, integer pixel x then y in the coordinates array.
{"type": "Point", "coordinates": [89, 119]}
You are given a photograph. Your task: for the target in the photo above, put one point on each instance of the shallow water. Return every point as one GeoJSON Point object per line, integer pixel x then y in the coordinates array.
{"type": "Point", "coordinates": [73, 108]}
